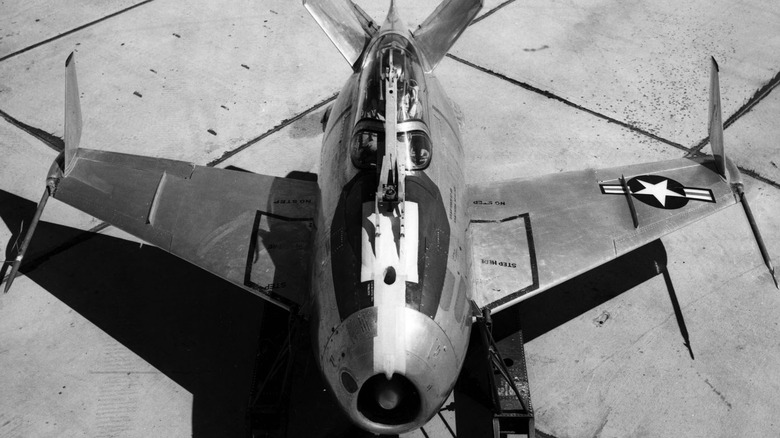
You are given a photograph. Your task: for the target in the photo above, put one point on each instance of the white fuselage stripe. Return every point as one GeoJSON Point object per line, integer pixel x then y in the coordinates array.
{"type": "Point", "coordinates": [381, 252]}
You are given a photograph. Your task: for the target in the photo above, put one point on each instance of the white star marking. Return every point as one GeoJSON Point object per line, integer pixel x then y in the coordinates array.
{"type": "Point", "coordinates": [659, 191]}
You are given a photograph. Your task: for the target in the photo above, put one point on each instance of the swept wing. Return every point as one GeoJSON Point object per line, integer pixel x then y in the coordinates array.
{"type": "Point", "coordinates": [531, 234]}
{"type": "Point", "coordinates": [252, 230]}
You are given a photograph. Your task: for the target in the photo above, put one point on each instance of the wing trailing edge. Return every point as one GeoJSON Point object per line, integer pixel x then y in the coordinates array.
{"type": "Point", "coordinates": [529, 235]}
{"type": "Point", "coordinates": [252, 230]}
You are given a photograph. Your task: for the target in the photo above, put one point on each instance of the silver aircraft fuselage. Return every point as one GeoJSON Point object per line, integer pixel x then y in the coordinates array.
{"type": "Point", "coordinates": [392, 314]}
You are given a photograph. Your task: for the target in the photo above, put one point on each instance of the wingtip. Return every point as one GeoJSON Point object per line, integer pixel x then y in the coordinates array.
{"type": "Point", "coordinates": [774, 277]}
{"type": "Point", "coordinates": [14, 270]}
{"type": "Point", "coordinates": [10, 279]}
{"type": "Point", "coordinates": [715, 64]}
{"type": "Point", "coordinates": [70, 58]}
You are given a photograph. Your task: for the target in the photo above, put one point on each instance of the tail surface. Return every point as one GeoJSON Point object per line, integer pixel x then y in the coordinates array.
{"type": "Point", "coordinates": [72, 112]}
{"type": "Point", "coordinates": [728, 170]}
{"type": "Point", "coordinates": [716, 121]}
{"type": "Point", "coordinates": [348, 27]}
{"type": "Point", "coordinates": [441, 29]}
{"type": "Point", "coordinates": [72, 138]}
{"type": "Point", "coordinates": [351, 29]}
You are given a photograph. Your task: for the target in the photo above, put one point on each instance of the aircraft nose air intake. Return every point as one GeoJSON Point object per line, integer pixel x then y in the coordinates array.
{"type": "Point", "coordinates": [388, 396]}
{"type": "Point", "coordinates": [400, 398]}
{"type": "Point", "coordinates": [393, 402]}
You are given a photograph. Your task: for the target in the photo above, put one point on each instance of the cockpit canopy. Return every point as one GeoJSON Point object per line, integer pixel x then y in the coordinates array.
{"type": "Point", "coordinates": [392, 58]}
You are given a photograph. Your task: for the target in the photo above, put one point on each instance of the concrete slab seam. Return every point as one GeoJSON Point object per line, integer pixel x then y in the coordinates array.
{"type": "Point", "coordinates": [76, 29]}
{"type": "Point", "coordinates": [446, 424]}
{"type": "Point", "coordinates": [757, 97]}
{"type": "Point", "coordinates": [46, 138]}
{"type": "Point", "coordinates": [276, 128]}
{"type": "Point", "coordinates": [755, 175]}
{"type": "Point", "coordinates": [689, 151]}
{"type": "Point", "coordinates": [567, 102]}
{"type": "Point", "coordinates": [490, 12]}
{"type": "Point", "coordinates": [56, 143]}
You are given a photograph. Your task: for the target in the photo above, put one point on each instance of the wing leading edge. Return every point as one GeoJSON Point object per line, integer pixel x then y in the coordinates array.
{"type": "Point", "coordinates": [252, 230]}
{"type": "Point", "coordinates": [531, 234]}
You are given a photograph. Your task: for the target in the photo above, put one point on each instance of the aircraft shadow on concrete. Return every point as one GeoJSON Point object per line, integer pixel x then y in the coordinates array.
{"type": "Point", "coordinates": [197, 329]}
{"type": "Point", "coordinates": [542, 313]}
{"type": "Point", "coordinates": [548, 310]}
{"type": "Point", "coordinates": [205, 333]}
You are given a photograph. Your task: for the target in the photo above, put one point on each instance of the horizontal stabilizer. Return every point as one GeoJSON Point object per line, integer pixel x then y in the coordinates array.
{"type": "Point", "coordinates": [441, 29]}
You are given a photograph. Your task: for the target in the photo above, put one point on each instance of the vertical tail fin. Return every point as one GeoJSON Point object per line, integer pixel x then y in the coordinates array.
{"type": "Point", "coordinates": [442, 28]}
{"type": "Point", "coordinates": [716, 121]}
{"type": "Point", "coordinates": [732, 174]}
{"type": "Point", "coordinates": [72, 139]}
{"type": "Point", "coordinates": [72, 113]}
{"type": "Point", "coordinates": [347, 26]}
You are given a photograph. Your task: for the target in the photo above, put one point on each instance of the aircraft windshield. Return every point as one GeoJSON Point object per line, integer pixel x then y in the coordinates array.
{"type": "Point", "coordinates": [391, 61]}
{"type": "Point", "coordinates": [392, 58]}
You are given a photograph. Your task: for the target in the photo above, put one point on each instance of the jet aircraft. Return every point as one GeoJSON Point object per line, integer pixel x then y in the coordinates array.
{"type": "Point", "coordinates": [391, 252]}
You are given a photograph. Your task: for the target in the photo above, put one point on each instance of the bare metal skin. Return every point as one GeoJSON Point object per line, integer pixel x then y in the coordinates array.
{"type": "Point", "coordinates": [400, 363]}
{"type": "Point", "coordinates": [391, 249]}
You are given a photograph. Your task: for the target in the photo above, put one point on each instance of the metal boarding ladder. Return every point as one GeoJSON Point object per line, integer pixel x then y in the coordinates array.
{"type": "Point", "coordinates": [492, 394]}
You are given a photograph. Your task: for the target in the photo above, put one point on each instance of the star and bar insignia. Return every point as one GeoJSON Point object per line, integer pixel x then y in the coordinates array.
{"type": "Point", "coordinates": [659, 191]}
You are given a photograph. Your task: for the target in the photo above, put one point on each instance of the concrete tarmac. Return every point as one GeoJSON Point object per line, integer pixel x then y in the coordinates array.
{"type": "Point", "coordinates": [103, 336]}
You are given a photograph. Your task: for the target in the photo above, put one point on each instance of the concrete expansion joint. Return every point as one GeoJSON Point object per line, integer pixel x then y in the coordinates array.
{"type": "Point", "coordinates": [490, 12]}
{"type": "Point", "coordinates": [46, 138]}
{"type": "Point", "coordinates": [57, 144]}
{"type": "Point", "coordinates": [569, 103]}
{"type": "Point", "coordinates": [757, 97]}
{"type": "Point", "coordinates": [76, 29]}
{"type": "Point", "coordinates": [284, 123]}
{"type": "Point", "coordinates": [690, 152]}
{"type": "Point", "coordinates": [755, 175]}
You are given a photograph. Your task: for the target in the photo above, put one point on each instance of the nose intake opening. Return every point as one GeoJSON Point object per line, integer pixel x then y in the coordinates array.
{"type": "Point", "coordinates": [393, 402]}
